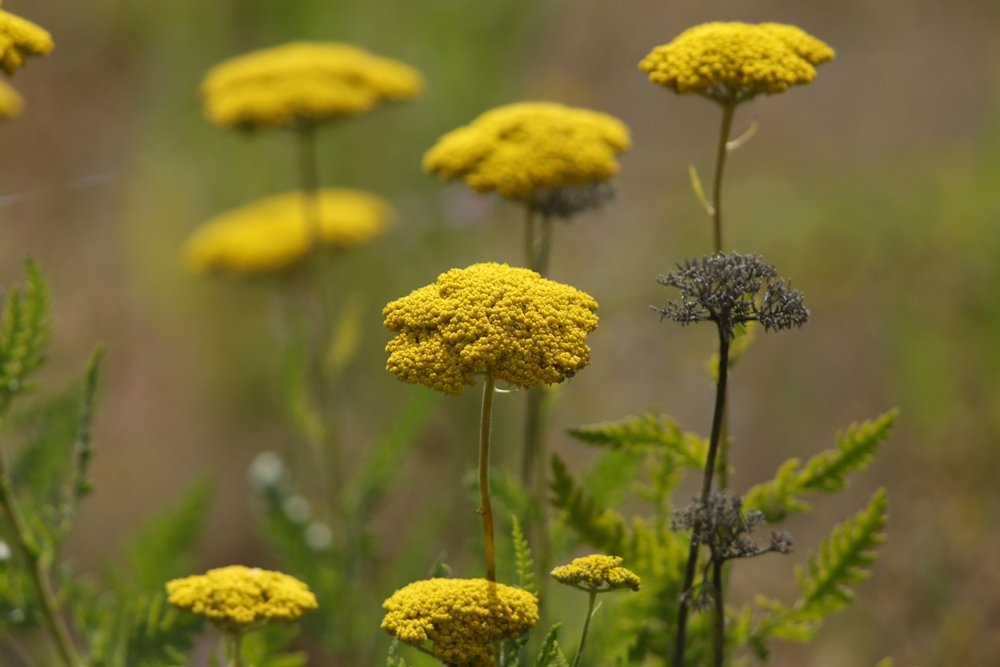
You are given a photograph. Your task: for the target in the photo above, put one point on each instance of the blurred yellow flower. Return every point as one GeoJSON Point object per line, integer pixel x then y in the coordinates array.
{"type": "Point", "coordinates": [11, 102]}
{"type": "Point", "coordinates": [310, 81]}
{"type": "Point", "coordinates": [19, 39]}
{"type": "Point", "coordinates": [237, 599]}
{"type": "Point", "coordinates": [462, 617]}
{"type": "Point", "coordinates": [273, 234]}
{"type": "Point", "coordinates": [597, 573]}
{"type": "Point", "coordinates": [732, 62]}
{"type": "Point", "coordinates": [522, 148]}
{"type": "Point", "coordinates": [521, 327]}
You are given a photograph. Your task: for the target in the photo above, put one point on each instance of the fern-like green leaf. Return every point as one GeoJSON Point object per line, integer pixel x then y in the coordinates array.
{"type": "Point", "coordinates": [523, 563]}
{"type": "Point", "coordinates": [24, 333]}
{"type": "Point", "coordinates": [550, 655]}
{"type": "Point", "coordinates": [648, 429]}
{"type": "Point", "coordinates": [599, 527]}
{"type": "Point", "coordinates": [826, 472]}
{"type": "Point", "coordinates": [394, 659]}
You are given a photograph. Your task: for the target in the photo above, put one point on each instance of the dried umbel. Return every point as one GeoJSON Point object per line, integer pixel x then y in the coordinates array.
{"type": "Point", "coordinates": [11, 102]}
{"type": "Point", "coordinates": [509, 322]}
{"type": "Point", "coordinates": [723, 526]}
{"type": "Point", "coordinates": [731, 63]}
{"type": "Point", "coordinates": [731, 290]}
{"type": "Point", "coordinates": [597, 573]}
{"type": "Point", "coordinates": [521, 149]}
{"type": "Point", "coordinates": [238, 599]}
{"type": "Point", "coordinates": [20, 39]}
{"type": "Point", "coordinates": [273, 234]}
{"type": "Point", "coordinates": [463, 618]}
{"type": "Point", "coordinates": [304, 81]}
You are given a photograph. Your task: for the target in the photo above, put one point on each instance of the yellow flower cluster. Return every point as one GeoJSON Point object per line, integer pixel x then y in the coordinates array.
{"type": "Point", "coordinates": [721, 60]}
{"type": "Point", "coordinates": [597, 573]}
{"type": "Point", "coordinates": [304, 80]}
{"type": "Point", "coordinates": [273, 234]}
{"type": "Point", "coordinates": [521, 327]}
{"type": "Point", "coordinates": [519, 149]}
{"type": "Point", "coordinates": [462, 617]}
{"type": "Point", "coordinates": [19, 39]}
{"type": "Point", "coordinates": [11, 102]}
{"type": "Point", "coordinates": [237, 598]}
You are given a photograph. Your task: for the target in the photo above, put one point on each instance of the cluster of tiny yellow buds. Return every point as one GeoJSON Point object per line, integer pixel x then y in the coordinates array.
{"type": "Point", "coordinates": [732, 62]}
{"type": "Point", "coordinates": [307, 81]}
{"type": "Point", "coordinates": [238, 599]}
{"type": "Point", "coordinates": [597, 573]}
{"type": "Point", "coordinates": [11, 102]}
{"type": "Point", "coordinates": [19, 39]}
{"type": "Point", "coordinates": [520, 327]}
{"type": "Point", "coordinates": [274, 234]}
{"type": "Point", "coordinates": [463, 618]}
{"type": "Point", "coordinates": [519, 149]}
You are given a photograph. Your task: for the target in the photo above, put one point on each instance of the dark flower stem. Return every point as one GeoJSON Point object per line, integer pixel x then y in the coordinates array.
{"type": "Point", "coordinates": [706, 489]}
{"type": "Point", "coordinates": [486, 511]}
{"type": "Point", "coordinates": [720, 610]}
{"type": "Point", "coordinates": [37, 569]}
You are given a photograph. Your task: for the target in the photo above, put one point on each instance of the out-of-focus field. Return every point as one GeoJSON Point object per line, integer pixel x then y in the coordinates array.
{"type": "Point", "coordinates": [877, 189]}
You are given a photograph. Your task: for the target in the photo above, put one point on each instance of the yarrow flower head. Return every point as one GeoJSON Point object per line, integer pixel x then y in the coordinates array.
{"type": "Point", "coordinates": [523, 150]}
{"type": "Point", "coordinates": [734, 62]}
{"type": "Point", "coordinates": [20, 39]}
{"type": "Point", "coordinates": [510, 322]}
{"type": "Point", "coordinates": [273, 234]}
{"type": "Point", "coordinates": [463, 618]}
{"type": "Point", "coordinates": [597, 573]}
{"type": "Point", "coordinates": [11, 102]}
{"type": "Point", "coordinates": [306, 81]}
{"type": "Point", "coordinates": [238, 599]}
{"type": "Point", "coordinates": [731, 290]}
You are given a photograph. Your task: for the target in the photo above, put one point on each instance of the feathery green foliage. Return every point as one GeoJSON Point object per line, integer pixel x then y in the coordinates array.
{"type": "Point", "coordinates": [648, 429]}
{"type": "Point", "coordinates": [24, 334]}
{"type": "Point", "coordinates": [522, 558]}
{"type": "Point", "coordinates": [826, 472]}
{"type": "Point", "coordinates": [394, 659]}
{"type": "Point", "coordinates": [81, 485]}
{"type": "Point", "coordinates": [550, 655]}
{"type": "Point", "coordinates": [601, 527]}
{"type": "Point", "coordinates": [267, 648]}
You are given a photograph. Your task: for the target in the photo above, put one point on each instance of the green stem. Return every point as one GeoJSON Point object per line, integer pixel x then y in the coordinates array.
{"type": "Point", "coordinates": [305, 132]}
{"type": "Point", "coordinates": [706, 489]}
{"type": "Point", "coordinates": [728, 110]}
{"type": "Point", "coordinates": [544, 247]}
{"type": "Point", "coordinates": [529, 236]}
{"type": "Point", "coordinates": [37, 569]}
{"type": "Point", "coordinates": [237, 657]}
{"type": "Point", "coordinates": [586, 627]}
{"type": "Point", "coordinates": [486, 511]}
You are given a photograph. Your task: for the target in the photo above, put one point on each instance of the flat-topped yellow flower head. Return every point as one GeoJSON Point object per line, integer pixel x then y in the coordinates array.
{"type": "Point", "coordinates": [522, 328]}
{"type": "Point", "coordinates": [11, 102]}
{"type": "Point", "coordinates": [733, 62]}
{"type": "Point", "coordinates": [310, 81]}
{"type": "Point", "coordinates": [462, 617]}
{"type": "Point", "coordinates": [20, 39]}
{"type": "Point", "coordinates": [520, 149]}
{"type": "Point", "coordinates": [238, 599]}
{"type": "Point", "coordinates": [597, 573]}
{"type": "Point", "coordinates": [273, 235]}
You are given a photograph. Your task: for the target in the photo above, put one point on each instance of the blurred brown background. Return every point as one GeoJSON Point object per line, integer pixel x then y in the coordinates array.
{"type": "Point", "coordinates": [877, 189]}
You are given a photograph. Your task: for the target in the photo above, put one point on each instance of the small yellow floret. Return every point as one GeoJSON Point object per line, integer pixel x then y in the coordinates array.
{"type": "Point", "coordinates": [524, 328]}
{"type": "Point", "coordinates": [238, 599]}
{"type": "Point", "coordinates": [735, 61]}
{"type": "Point", "coordinates": [310, 81]}
{"type": "Point", "coordinates": [19, 39]}
{"type": "Point", "coordinates": [462, 617]}
{"type": "Point", "coordinates": [11, 102]}
{"type": "Point", "coordinates": [272, 234]}
{"type": "Point", "coordinates": [519, 149]}
{"type": "Point", "coordinates": [597, 573]}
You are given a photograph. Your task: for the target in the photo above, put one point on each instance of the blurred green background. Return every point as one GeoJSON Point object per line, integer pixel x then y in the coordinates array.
{"type": "Point", "coordinates": [877, 189]}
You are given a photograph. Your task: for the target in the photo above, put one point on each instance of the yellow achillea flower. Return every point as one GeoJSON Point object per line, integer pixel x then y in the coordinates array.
{"type": "Point", "coordinates": [272, 234]}
{"type": "Point", "coordinates": [11, 102]}
{"type": "Point", "coordinates": [237, 599]}
{"type": "Point", "coordinates": [19, 39]}
{"type": "Point", "coordinates": [462, 617]}
{"type": "Point", "coordinates": [511, 322]}
{"type": "Point", "coordinates": [597, 573]}
{"type": "Point", "coordinates": [733, 62]}
{"type": "Point", "coordinates": [519, 149]}
{"type": "Point", "coordinates": [310, 81]}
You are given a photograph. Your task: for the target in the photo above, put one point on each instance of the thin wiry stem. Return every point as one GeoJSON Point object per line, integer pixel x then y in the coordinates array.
{"type": "Point", "coordinates": [728, 109]}
{"type": "Point", "coordinates": [486, 511]}
{"type": "Point", "coordinates": [720, 611]}
{"type": "Point", "coordinates": [586, 627]}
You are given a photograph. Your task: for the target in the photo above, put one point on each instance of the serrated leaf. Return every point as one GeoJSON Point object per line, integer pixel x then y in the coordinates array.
{"type": "Point", "coordinates": [599, 527]}
{"type": "Point", "coordinates": [24, 334]}
{"type": "Point", "coordinates": [648, 429]}
{"type": "Point", "coordinates": [523, 563]}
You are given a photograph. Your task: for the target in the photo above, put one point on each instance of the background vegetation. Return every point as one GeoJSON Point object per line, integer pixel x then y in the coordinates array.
{"type": "Point", "coordinates": [874, 188]}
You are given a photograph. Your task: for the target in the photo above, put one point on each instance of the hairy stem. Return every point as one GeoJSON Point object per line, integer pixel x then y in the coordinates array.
{"type": "Point", "coordinates": [486, 511]}
{"type": "Point", "coordinates": [706, 489]}
{"type": "Point", "coordinates": [37, 568]}
{"type": "Point", "coordinates": [720, 611]}
{"type": "Point", "coordinates": [586, 627]}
